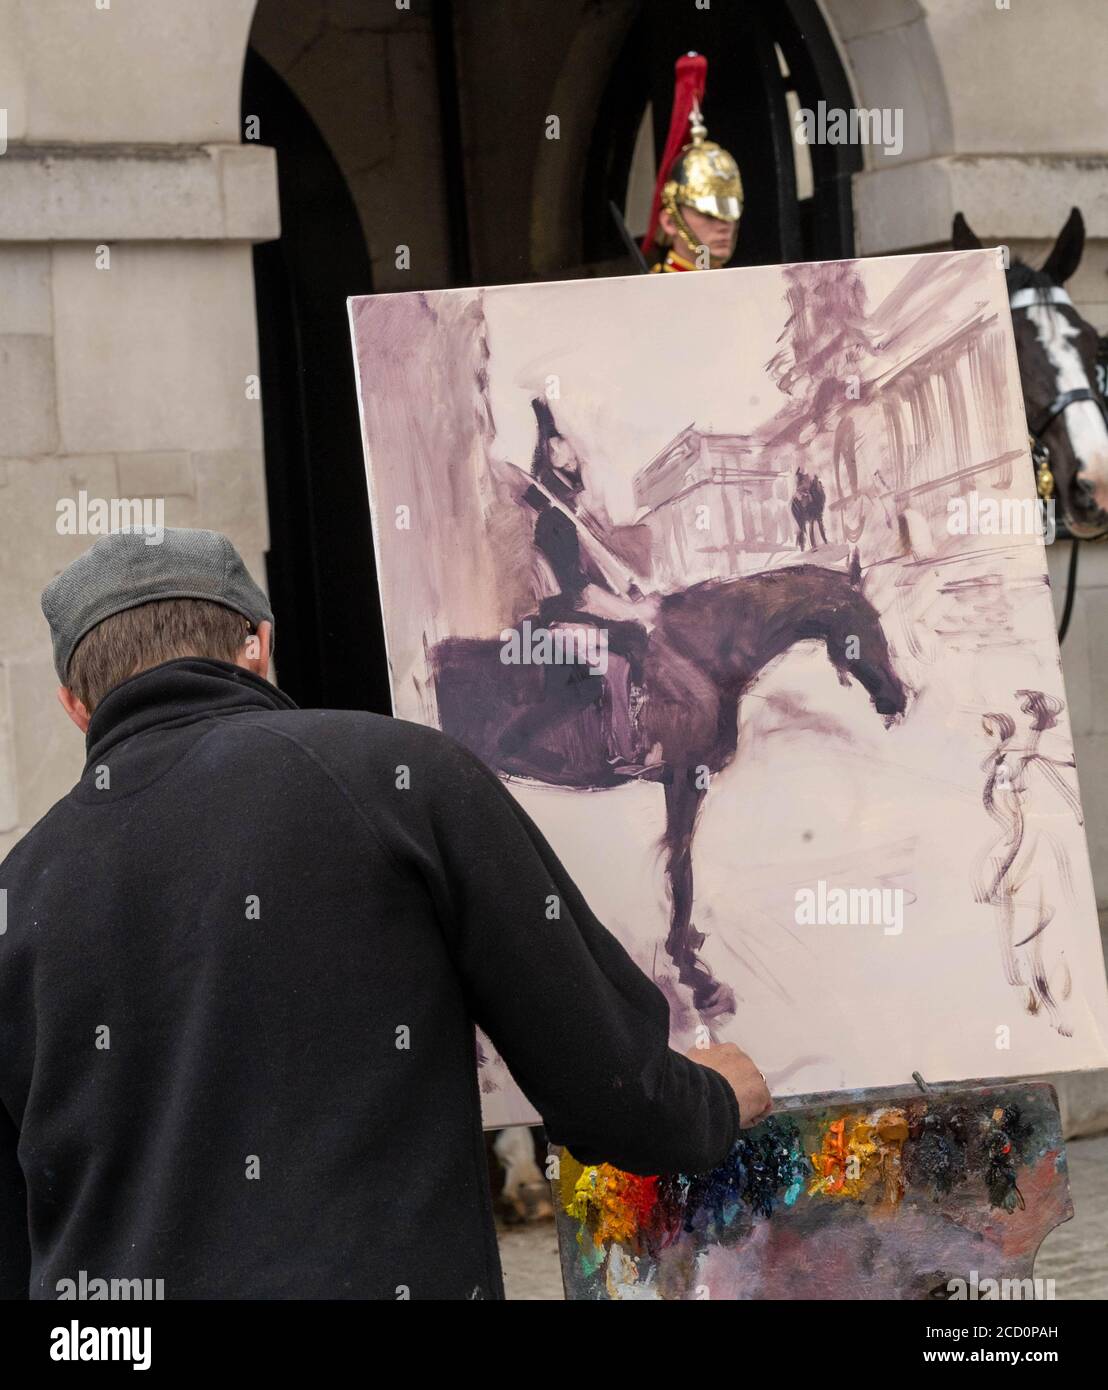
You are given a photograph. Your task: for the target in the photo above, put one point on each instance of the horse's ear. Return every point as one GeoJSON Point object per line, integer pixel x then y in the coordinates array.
{"type": "Point", "coordinates": [855, 571]}
{"type": "Point", "coordinates": [962, 235]}
{"type": "Point", "coordinates": [1066, 255]}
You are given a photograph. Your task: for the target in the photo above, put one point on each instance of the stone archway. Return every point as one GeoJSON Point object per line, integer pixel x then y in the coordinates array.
{"type": "Point", "coordinates": [998, 105]}
{"type": "Point", "coordinates": [370, 88]}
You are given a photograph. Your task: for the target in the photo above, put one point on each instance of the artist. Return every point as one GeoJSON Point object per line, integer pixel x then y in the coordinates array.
{"type": "Point", "coordinates": [242, 965]}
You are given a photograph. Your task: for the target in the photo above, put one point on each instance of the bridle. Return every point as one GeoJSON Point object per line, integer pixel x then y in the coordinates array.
{"type": "Point", "coordinates": [1040, 450]}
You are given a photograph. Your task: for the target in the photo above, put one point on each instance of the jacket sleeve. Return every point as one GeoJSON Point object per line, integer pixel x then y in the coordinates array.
{"type": "Point", "coordinates": [583, 1030]}
{"type": "Point", "coordinates": [15, 1250]}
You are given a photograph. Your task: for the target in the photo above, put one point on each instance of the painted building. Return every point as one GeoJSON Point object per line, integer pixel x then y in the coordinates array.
{"type": "Point", "coordinates": [717, 506]}
{"type": "Point", "coordinates": [901, 419]}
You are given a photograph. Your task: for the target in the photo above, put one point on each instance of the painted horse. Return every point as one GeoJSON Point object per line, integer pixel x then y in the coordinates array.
{"type": "Point", "coordinates": [706, 647]}
{"type": "Point", "coordinates": [1056, 347]}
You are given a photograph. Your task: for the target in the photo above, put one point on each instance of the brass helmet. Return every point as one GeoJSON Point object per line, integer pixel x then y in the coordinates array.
{"type": "Point", "coordinates": [705, 177]}
{"type": "Point", "coordinates": [695, 172]}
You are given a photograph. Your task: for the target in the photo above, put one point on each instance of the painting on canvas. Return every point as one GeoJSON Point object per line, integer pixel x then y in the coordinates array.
{"type": "Point", "coordinates": [738, 580]}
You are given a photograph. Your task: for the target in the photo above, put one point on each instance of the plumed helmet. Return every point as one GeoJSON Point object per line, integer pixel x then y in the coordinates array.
{"type": "Point", "coordinates": [695, 172]}
{"type": "Point", "coordinates": [705, 177]}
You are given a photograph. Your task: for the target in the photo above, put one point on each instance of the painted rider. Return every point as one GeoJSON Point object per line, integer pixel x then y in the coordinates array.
{"type": "Point", "coordinates": [592, 595]}
{"type": "Point", "coordinates": [557, 469]}
{"type": "Point", "coordinates": [698, 198]}
{"type": "Point", "coordinates": [693, 225]}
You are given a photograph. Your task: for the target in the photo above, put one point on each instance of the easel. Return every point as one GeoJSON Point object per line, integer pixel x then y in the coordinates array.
{"type": "Point", "coordinates": [943, 1191]}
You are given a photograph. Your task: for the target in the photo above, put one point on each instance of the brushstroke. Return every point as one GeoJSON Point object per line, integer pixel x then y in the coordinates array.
{"type": "Point", "coordinates": [1008, 875]}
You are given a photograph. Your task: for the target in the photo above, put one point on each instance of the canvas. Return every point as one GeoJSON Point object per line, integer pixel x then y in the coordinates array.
{"type": "Point", "coordinates": [738, 580]}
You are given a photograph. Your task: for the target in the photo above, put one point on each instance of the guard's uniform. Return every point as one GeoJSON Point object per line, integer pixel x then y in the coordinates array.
{"type": "Point", "coordinates": [672, 262]}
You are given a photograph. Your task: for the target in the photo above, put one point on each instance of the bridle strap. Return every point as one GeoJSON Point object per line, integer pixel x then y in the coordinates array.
{"type": "Point", "coordinates": [1048, 294]}
{"type": "Point", "coordinates": [1040, 452]}
{"type": "Point", "coordinates": [1060, 402]}
{"type": "Point", "coordinates": [1054, 294]}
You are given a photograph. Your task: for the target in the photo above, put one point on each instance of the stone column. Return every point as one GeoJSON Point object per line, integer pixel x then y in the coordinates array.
{"type": "Point", "coordinates": [128, 352]}
{"type": "Point", "coordinates": [1004, 115]}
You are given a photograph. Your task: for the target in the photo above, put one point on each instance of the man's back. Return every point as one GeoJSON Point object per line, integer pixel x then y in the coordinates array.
{"type": "Point", "coordinates": [237, 995]}
{"type": "Point", "coordinates": [234, 1025]}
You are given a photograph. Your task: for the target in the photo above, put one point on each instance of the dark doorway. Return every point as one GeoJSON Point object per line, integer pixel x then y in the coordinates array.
{"type": "Point", "coordinates": [321, 570]}
{"type": "Point", "coordinates": [322, 578]}
{"type": "Point", "coordinates": [747, 43]}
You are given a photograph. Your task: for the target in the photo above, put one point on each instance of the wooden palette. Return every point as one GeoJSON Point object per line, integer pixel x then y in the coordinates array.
{"type": "Point", "coordinates": [890, 1194]}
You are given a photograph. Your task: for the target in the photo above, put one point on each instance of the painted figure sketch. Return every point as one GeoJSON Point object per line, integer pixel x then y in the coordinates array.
{"type": "Point", "coordinates": [738, 581]}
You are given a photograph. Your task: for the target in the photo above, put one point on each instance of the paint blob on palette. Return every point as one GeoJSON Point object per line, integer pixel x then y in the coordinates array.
{"type": "Point", "coordinates": [850, 1200]}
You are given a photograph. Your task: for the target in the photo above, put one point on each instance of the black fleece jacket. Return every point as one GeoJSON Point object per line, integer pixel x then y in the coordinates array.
{"type": "Point", "coordinates": [238, 986]}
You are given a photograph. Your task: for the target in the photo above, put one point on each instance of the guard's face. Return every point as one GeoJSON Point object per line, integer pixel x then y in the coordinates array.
{"type": "Point", "coordinates": [564, 457]}
{"type": "Point", "coordinates": [713, 232]}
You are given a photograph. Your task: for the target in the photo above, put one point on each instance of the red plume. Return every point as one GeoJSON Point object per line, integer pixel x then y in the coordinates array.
{"type": "Point", "coordinates": [691, 74]}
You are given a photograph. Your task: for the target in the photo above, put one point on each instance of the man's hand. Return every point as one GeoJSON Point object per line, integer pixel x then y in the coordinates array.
{"type": "Point", "coordinates": [744, 1078]}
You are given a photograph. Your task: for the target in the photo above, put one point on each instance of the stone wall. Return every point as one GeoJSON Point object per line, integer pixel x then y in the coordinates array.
{"type": "Point", "coordinates": [127, 321]}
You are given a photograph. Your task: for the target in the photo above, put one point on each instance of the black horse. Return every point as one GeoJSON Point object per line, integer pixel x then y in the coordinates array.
{"type": "Point", "coordinates": [1057, 350]}
{"type": "Point", "coordinates": [706, 648]}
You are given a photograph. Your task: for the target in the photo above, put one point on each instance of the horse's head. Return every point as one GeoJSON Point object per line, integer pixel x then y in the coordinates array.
{"type": "Point", "coordinates": [858, 648]}
{"type": "Point", "coordinates": [1057, 358]}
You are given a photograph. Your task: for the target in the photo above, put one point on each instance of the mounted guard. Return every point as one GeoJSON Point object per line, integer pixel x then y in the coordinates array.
{"type": "Point", "coordinates": [698, 198]}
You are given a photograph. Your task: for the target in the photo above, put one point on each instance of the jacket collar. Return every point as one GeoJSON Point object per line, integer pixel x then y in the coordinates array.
{"type": "Point", "coordinates": [177, 692]}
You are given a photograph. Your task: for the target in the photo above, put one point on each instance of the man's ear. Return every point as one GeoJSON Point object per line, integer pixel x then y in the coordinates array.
{"type": "Point", "coordinates": [255, 654]}
{"type": "Point", "coordinates": [74, 708]}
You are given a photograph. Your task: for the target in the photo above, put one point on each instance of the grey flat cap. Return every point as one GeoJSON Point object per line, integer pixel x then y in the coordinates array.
{"type": "Point", "coordinates": [125, 570]}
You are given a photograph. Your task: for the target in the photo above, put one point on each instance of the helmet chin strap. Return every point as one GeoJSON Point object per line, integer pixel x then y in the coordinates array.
{"type": "Point", "coordinates": [694, 241]}
{"type": "Point", "coordinates": [683, 227]}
